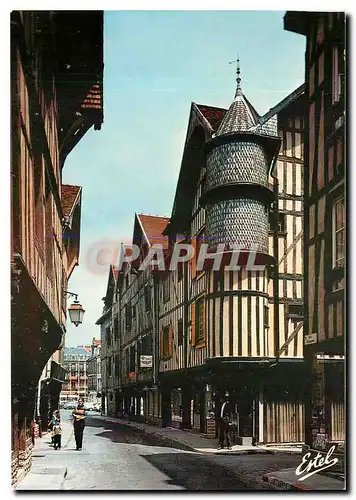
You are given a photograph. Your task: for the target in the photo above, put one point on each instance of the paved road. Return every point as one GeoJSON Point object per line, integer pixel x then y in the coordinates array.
{"type": "Point", "coordinates": [118, 457]}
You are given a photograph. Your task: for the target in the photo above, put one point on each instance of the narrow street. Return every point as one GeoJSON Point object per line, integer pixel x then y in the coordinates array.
{"type": "Point", "coordinates": [118, 457]}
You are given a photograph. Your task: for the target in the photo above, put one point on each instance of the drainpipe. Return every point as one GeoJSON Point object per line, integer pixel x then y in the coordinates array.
{"type": "Point", "coordinates": [276, 270]}
{"type": "Point", "coordinates": [155, 327]}
{"type": "Point", "coordinates": [185, 312]}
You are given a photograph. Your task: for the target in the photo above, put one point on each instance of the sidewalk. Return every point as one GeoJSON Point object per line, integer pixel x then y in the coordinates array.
{"type": "Point", "coordinates": [46, 477]}
{"type": "Point", "coordinates": [199, 442]}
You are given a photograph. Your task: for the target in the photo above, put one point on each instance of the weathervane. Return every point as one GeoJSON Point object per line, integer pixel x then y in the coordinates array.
{"type": "Point", "coordinates": [238, 79]}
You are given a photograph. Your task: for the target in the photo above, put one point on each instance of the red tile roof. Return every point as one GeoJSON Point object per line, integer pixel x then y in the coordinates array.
{"type": "Point", "coordinates": [212, 114]}
{"type": "Point", "coordinates": [69, 195]}
{"type": "Point", "coordinates": [154, 226]}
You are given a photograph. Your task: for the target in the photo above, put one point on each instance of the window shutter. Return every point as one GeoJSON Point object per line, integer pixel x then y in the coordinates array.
{"type": "Point", "coordinates": [170, 341]}
{"type": "Point", "coordinates": [161, 344]}
{"type": "Point", "coordinates": [203, 320]}
{"type": "Point", "coordinates": [193, 335]}
{"type": "Point", "coordinates": [194, 259]}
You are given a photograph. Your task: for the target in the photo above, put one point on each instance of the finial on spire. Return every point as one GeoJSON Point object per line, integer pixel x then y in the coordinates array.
{"type": "Point", "coordinates": [238, 79]}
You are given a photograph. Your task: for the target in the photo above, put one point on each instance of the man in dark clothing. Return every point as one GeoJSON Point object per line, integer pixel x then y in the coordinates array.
{"type": "Point", "coordinates": [79, 424]}
{"type": "Point", "coordinates": [224, 419]}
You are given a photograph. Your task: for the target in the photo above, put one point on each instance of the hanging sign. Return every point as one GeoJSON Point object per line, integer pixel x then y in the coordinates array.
{"type": "Point", "coordinates": [310, 339]}
{"type": "Point", "coordinates": [146, 361]}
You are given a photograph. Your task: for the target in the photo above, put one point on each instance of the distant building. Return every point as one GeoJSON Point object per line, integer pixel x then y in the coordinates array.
{"type": "Point", "coordinates": [109, 351]}
{"type": "Point", "coordinates": [94, 372]}
{"type": "Point", "coordinates": [76, 378]}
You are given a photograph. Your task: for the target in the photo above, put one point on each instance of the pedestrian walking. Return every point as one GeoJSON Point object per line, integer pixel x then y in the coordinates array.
{"type": "Point", "coordinates": [79, 424]}
{"type": "Point", "coordinates": [53, 419]}
{"type": "Point", "coordinates": [224, 420]}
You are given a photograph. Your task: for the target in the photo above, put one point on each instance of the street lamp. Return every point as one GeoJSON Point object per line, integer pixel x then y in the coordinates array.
{"type": "Point", "coordinates": [76, 311]}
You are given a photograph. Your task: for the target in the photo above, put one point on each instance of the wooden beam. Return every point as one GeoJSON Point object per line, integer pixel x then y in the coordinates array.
{"type": "Point", "coordinates": [294, 242]}
{"type": "Point", "coordinates": [289, 339]}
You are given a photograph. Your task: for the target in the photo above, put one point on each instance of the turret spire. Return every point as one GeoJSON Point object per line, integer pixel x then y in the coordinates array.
{"type": "Point", "coordinates": [238, 79]}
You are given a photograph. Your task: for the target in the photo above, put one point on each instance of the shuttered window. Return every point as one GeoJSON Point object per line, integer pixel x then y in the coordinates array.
{"type": "Point", "coordinates": [200, 321]}
{"type": "Point", "coordinates": [192, 312]}
{"type": "Point", "coordinates": [180, 332]}
{"type": "Point", "coordinates": [166, 342]}
{"type": "Point", "coordinates": [166, 288]}
{"type": "Point", "coordinates": [339, 233]}
{"type": "Point", "coordinates": [170, 341]}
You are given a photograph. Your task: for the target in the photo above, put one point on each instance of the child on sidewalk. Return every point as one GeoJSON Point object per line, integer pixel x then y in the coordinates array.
{"type": "Point", "coordinates": [57, 431]}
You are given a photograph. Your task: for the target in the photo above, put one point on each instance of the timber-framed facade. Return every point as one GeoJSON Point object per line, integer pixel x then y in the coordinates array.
{"type": "Point", "coordinates": [324, 223]}
{"type": "Point", "coordinates": [56, 67]}
{"type": "Point", "coordinates": [213, 332]}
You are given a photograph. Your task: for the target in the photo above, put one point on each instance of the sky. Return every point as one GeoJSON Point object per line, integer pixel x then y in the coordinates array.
{"type": "Point", "coordinates": [156, 64]}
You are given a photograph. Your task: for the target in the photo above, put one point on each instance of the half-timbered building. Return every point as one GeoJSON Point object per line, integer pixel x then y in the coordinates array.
{"type": "Point", "coordinates": [56, 96]}
{"type": "Point", "coordinates": [324, 223]}
{"type": "Point", "coordinates": [241, 331]}
{"type": "Point", "coordinates": [130, 350]}
{"type": "Point", "coordinates": [211, 332]}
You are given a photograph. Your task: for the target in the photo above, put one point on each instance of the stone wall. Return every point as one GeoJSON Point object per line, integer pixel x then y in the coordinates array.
{"type": "Point", "coordinates": [14, 468]}
{"type": "Point", "coordinates": [25, 460]}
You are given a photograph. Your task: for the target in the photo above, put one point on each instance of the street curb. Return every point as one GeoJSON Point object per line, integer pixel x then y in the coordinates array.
{"type": "Point", "coordinates": [283, 485]}
{"type": "Point", "coordinates": [188, 447]}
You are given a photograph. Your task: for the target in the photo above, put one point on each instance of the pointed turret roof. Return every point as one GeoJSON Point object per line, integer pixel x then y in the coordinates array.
{"type": "Point", "coordinates": [241, 115]}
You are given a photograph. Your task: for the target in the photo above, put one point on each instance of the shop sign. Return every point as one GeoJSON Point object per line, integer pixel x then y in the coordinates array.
{"type": "Point", "coordinates": [146, 361]}
{"type": "Point", "coordinates": [310, 339]}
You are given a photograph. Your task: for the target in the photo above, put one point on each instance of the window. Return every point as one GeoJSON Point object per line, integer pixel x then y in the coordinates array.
{"type": "Point", "coordinates": [180, 332]}
{"type": "Point", "coordinates": [128, 317]}
{"type": "Point", "coordinates": [281, 224]}
{"type": "Point", "coordinates": [337, 73]}
{"type": "Point", "coordinates": [116, 328]}
{"type": "Point", "coordinates": [108, 336]}
{"type": "Point", "coordinates": [180, 271]}
{"type": "Point", "coordinates": [146, 345]}
{"type": "Point", "coordinates": [338, 233]}
{"type": "Point", "coordinates": [38, 196]}
{"type": "Point", "coordinates": [147, 298]}
{"type": "Point", "coordinates": [198, 322]}
{"type": "Point", "coordinates": [166, 342]}
{"type": "Point", "coordinates": [266, 317]}
{"type": "Point", "coordinates": [109, 367]}
{"type": "Point", "coordinates": [295, 312]}
{"type": "Point", "coordinates": [132, 361]}
{"type": "Point", "coordinates": [218, 280]}
{"type": "Point", "coordinates": [166, 287]}
{"type": "Point", "coordinates": [127, 281]}
{"type": "Point", "coordinates": [116, 365]}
